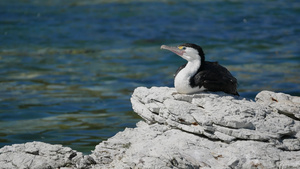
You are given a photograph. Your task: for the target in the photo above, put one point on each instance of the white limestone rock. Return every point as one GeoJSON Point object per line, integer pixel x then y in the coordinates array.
{"type": "Point", "coordinates": [205, 130]}
{"type": "Point", "coordinates": [159, 146]}
{"type": "Point", "coordinates": [286, 104]}
{"type": "Point", "coordinates": [156, 146]}
{"type": "Point", "coordinates": [37, 155]}
{"type": "Point", "coordinates": [217, 116]}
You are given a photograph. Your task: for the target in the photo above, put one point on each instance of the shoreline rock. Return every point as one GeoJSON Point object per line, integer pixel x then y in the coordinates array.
{"type": "Point", "coordinates": [42, 155]}
{"type": "Point", "coordinates": [204, 130]}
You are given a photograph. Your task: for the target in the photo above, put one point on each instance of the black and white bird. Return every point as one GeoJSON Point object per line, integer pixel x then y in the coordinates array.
{"type": "Point", "coordinates": [199, 75]}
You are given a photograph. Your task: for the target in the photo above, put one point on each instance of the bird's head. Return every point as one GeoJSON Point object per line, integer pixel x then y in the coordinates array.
{"type": "Point", "coordinates": [188, 51]}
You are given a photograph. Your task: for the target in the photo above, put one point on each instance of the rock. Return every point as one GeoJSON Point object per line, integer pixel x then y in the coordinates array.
{"type": "Point", "coordinates": [156, 146]}
{"type": "Point", "coordinates": [204, 130]}
{"type": "Point", "coordinates": [284, 103]}
{"type": "Point", "coordinates": [272, 130]}
{"type": "Point", "coordinates": [159, 146]}
{"type": "Point", "coordinates": [38, 155]}
{"type": "Point", "coordinates": [216, 116]}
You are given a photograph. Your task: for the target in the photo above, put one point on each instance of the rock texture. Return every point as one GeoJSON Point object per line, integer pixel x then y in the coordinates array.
{"type": "Point", "coordinates": [223, 117]}
{"type": "Point", "coordinates": [284, 103]}
{"type": "Point", "coordinates": [38, 155]}
{"type": "Point", "coordinates": [205, 130]}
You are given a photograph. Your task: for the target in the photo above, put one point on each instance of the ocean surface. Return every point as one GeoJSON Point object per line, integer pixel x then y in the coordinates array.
{"type": "Point", "coordinates": [68, 68]}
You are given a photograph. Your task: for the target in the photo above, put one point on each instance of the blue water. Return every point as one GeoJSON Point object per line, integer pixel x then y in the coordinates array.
{"type": "Point", "coordinates": [68, 68]}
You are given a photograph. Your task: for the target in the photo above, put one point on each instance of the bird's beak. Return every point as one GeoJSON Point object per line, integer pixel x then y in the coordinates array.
{"type": "Point", "coordinates": [175, 50]}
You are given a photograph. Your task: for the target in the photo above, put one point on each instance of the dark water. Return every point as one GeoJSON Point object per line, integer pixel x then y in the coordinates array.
{"type": "Point", "coordinates": [68, 68]}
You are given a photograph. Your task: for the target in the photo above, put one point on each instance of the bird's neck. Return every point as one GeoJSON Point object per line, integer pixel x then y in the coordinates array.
{"type": "Point", "coordinates": [188, 71]}
{"type": "Point", "coordinates": [182, 79]}
{"type": "Point", "coordinates": [191, 68]}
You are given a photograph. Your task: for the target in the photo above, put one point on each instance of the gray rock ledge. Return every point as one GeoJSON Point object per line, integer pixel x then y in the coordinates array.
{"type": "Point", "coordinates": [40, 155]}
{"type": "Point", "coordinates": [205, 130]}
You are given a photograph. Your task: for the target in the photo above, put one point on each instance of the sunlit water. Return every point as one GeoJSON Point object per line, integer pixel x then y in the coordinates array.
{"type": "Point", "coordinates": [68, 68]}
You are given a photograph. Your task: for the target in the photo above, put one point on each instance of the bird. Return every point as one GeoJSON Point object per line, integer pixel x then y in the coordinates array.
{"type": "Point", "coordinates": [198, 75]}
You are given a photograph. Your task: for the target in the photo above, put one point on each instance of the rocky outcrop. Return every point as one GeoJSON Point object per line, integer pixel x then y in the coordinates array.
{"type": "Point", "coordinates": [38, 155]}
{"type": "Point", "coordinates": [205, 130]}
{"type": "Point", "coordinates": [223, 117]}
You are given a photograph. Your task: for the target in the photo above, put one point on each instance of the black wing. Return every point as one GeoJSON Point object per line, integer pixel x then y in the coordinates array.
{"type": "Point", "coordinates": [215, 77]}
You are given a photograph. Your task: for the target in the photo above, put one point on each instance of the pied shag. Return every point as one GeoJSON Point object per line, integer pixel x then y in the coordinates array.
{"type": "Point", "coordinates": [199, 75]}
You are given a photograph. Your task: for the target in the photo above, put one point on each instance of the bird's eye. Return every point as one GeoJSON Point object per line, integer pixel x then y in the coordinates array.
{"type": "Point", "coordinates": [181, 47]}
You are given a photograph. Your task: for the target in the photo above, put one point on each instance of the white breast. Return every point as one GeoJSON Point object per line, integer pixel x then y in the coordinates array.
{"type": "Point", "coordinates": [182, 79]}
